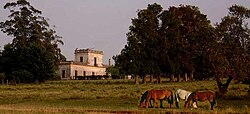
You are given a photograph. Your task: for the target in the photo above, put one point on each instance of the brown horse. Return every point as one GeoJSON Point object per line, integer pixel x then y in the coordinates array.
{"type": "Point", "coordinates": [201, 96]}
{"type": "Point", "coordinates": [159, 95]}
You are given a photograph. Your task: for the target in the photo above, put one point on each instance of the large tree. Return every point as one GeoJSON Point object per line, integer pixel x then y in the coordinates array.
{"type": "Point", "coordinates": [164, 41]}
{"type": "Point", "coordinates": [229, 56]}
{"type": "Point", "coordinates": [33, 54]}
{"type": "Point", "coordinates": [187, 31]}
{"type": "Point", "coordinates": [139, 55]}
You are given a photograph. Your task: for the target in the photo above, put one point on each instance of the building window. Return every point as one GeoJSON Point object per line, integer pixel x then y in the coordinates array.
{"type": "Point", "coordinates": [93, 73]}
{"type": "Point", "coordinates": [63, 74]}
{"type": "Point", "coordinates": [84, 73]}
{"type": "Point", "coordinates": [81, 59]}
{"type": "Point", "coordinates": [75, 72]}
{"type": "Point", "coordinates": [95, 61]}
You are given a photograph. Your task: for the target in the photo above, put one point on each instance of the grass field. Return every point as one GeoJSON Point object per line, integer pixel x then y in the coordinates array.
{"type": "Point", "coordinates": [110, 96]}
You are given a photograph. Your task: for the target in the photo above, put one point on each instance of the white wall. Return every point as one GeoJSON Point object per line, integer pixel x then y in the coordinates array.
{"type": "Point", "coordinates": [71, 68]}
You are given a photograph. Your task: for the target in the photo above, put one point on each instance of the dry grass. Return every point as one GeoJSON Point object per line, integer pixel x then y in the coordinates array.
{"type": "Point", "coordinates": [109, 96]}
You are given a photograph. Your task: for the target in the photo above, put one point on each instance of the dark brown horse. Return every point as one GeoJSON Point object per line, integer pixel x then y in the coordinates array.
{"type": "Point", "coordinates": [157, 95]}
{"type": "Point", "coordinates": [201, 96]}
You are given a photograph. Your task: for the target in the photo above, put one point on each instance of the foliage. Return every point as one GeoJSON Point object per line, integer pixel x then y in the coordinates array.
{"type": "Point", "coordinates": [22, 76]}
{"type": "Point", "coordinates": [34, 47]}
{"type": "Point", "coordinates": [166, 41]}
{"type": "Point", "coordinates": [187, 31]}
{"type": "Point", "coordinates": [113, 71]}
{"type": "Point", "coordinates": [181, 40]}
{"type": "Point", "coordinates": [229, 55]}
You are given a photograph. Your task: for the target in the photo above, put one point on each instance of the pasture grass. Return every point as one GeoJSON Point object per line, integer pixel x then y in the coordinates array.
{"type": "Point", "coordinates": [110, 96]}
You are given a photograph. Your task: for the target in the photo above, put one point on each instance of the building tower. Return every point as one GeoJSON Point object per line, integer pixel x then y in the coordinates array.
{"type": "Point", "coordinates": [89, 57]}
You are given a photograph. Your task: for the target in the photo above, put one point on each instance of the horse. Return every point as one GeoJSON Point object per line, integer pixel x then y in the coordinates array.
{"type": "Point", "coordinates": [143, 100]}
{"type": "Point", "coordinates": [159, 95]}
{"type": "Point", "coordinates": [182, 94]}
{"type": "Point", "coordinates": [201, 96]}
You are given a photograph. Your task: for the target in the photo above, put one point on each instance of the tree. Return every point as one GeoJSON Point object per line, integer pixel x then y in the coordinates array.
{"type": "Point", "coordinates": [140, 54]}
{"type": "Point", "coordinates": [34, 49]}
{"type": "Point", "coordinates": [229, 56]}
{"type": "Point", "coordinates": [187, 31]}
{"type": "Point", "coordinates": [165, 41]}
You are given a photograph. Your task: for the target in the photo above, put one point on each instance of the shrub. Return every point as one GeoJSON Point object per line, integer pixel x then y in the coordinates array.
{"type": "Point", "coordinates": [22, 76]}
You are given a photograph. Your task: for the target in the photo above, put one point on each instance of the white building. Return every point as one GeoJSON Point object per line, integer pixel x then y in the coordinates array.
{"type": "Point", "coordinates": [87, 64]}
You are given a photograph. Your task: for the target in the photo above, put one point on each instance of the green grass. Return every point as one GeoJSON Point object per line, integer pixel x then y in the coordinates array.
{"type": "Point", "coordinates": [109, 96]}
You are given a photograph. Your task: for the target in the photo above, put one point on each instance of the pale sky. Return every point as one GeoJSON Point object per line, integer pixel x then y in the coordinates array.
{"type": "Point", "coordinates": [103, 24]}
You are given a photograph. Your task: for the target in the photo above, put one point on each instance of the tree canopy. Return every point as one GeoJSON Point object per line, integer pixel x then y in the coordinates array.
{"type": "Point", "coordinates": [164, 41]}
{"type": "Point", "coordinates": [182, 40]}
{"type": "Point", "coordinates": [33, 55]}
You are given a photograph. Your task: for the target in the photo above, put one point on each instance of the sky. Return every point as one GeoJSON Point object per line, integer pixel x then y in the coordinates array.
{"type": "Point", "coordinates": [103, 24]}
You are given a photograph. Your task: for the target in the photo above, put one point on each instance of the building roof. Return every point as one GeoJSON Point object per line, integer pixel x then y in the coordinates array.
{"type": "Point", "coordinates": [88, 51]}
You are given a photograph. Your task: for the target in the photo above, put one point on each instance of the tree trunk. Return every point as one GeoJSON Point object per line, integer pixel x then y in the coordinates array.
{"type": "Point", "coordinates": [151, 78]}
{"type": "Point", "coordinates": [179, 78]}
{"type": "Point", "coordinates": [223, 87]}
{"type": "Point", "coordinates": [136, 80]}
{"type": "Point", "coordinates": [192, 75]}
{"type": "Point", "coordinates": [159, 79]}
{"type": "Point", "coordinates": [186, 77]}
{"type": "Point", "coordinates": [172, 78]}
{"type": "Point", "coordinates": [249, 90]}
{"type": "Point", "coordinates": [144, 79]}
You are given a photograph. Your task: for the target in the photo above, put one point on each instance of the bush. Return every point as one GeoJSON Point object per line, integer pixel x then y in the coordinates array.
{"type": "Point", "coordinates": [22, 76]}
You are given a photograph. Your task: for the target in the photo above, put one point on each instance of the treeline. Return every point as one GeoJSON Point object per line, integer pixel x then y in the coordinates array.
{"type": "Point", "coordinates": [182, 41]}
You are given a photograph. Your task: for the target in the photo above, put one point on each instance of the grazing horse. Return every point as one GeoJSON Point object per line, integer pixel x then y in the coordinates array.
{"type": "Point", "coordinates": [201, 96]}
{"type": "Point", "coordinates": [159, 95]}
{"type": "Point", "coordinates": [143, 100]}
{"type": "Point", "coordinates": [182, 94]}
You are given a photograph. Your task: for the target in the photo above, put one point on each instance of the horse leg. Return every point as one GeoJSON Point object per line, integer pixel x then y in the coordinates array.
{"type": "Point", "coordinates": [177, 105]}
{"type": "Point", "coordinates": [170, 101]}
{"type": "Point", "coordinates": [155, 103]}
{"type": "Point", "coordinates": [186, 104]}
{"type": "Point", "coordinates": [147, 102]}
{"type": "Point", "coordinates": [176, 101]}
{"type": "Point", "coordinates": [212, 104]}
{"type": "Point", "coordinates": [150, 103]}
{"type": "Point", "coordinates": [161, 103]}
